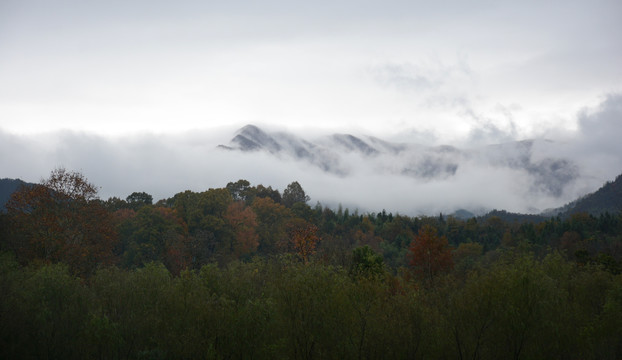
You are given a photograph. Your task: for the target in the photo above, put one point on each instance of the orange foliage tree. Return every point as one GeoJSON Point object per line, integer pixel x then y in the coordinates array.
{"type": "Point", "coordinates": [429, 254]}
{"type": "Point", "coordinates": [61, 220]}
{"type": "Point", "coordinates": [304, 238]}
{"type": "Point", "coordinates": [243, 222]}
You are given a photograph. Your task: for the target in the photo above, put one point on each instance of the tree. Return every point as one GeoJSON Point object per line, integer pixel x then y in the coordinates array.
{"type": "Point", "coordinates": [70, 184]}
{"type": "Point", "coordinates": [114, 203]}
{"type": "Point", "coordinates": [263, 192]}
{"type": "Point", "coordinates": [294, 194]}
{"type": "Point", "coordinates": [240, 190]}
{"type": "Point", "coordinates": [366, 263]}
{"type": "Point", "coordinates": [243, 222]}
{"type": "Point", "coordinates": [271, 228]}
{"type": "Point", "coordinates": [203, 211]}
{"type": "Point", "coordinates": [136, 200]}
{"type": "Point", "coordinates": [61, 220]}
{"type": "Point", "coordinates": [429, 253]}
{"type": "Point", "coordinates": [466, 255]}
{"type": "Point", "coordinates": [153, 234]}
{"type": "Point", "coordinates": [48, 315]}
{"type": "Point", "coordinates": [304, 239]}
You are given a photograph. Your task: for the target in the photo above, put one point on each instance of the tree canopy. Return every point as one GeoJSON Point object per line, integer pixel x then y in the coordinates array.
{"type": "Point", "coordinates": [241, 272]}
{"type": "Point", "coordinates": [294, 194]}
{"type": "Point", "coordinates": [61, 219]}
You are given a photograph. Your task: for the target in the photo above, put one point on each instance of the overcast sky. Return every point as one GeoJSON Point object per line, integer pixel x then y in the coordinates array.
{"type": "Point", "coordinates": [120, 67]}
{"type": "Point", "coordinates": [115, 75]}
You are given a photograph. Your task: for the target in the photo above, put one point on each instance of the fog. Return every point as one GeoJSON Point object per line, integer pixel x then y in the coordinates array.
{"type": "Point", "coordinates": [164, 165]}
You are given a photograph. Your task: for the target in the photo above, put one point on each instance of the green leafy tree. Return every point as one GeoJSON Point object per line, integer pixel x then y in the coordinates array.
{"type": "Point", "coordinates": [48, 314]}
{"type": "Point", "coordinates": [312, 312]}
{"type": "Point", "coordinates": [294, 194]}
{"type": "Point", "coordinates": [114, 203]}
{"type": "Point", "coordinates": [268, 192]}
{"type": "Point", "coordinates": [466, 255]}
{"type": "Point", "coordinates": [240, 190]}
{"type": "Point", "coordinates": [154, 234]}
{"type": "Point", "coordinates": [272, 219]}
{"type": "Point", "coordinates": [136, 200]}
{"type": "Point", "coordinates": [366, 263]}
{"type": "Point", "coordinates": [204, 212]}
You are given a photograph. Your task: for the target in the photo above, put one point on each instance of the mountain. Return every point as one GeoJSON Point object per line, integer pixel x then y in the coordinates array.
{"type": "Point", "coordinates": [342, 154]}
{"type": "Point", "coordinates": [510, 217]}
{"type": "Point", "coordinates": [371, 173]}
{"type": "Point", "coordinates": [7, 187]}
{"type": "Point", "coordinates": [606, 199]}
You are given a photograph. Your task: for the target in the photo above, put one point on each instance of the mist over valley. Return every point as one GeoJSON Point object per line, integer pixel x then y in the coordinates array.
{"type": "Point", "coordinates": [357, 171]}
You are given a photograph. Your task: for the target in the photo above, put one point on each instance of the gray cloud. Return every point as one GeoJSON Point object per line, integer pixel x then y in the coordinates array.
{"type": "Point", "coordinates": [123, 67]}
{"type": "Point", "coordinates": [600, 129]}
{"type": "Point", "coordinates": [487, 131]}
{"type": "Point", "coordinates": [429, 76]}
{"type": "Point", "coordinates": [525, 177]}
{"type": "Point", "coordinates": [145, 65]}
{"type": "Point", "coordinates": [405, 78]}
{"type": "Point", "coordinates": [595, 146]}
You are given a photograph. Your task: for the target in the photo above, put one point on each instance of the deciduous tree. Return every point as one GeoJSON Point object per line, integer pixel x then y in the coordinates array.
{"type": "Point", "coordinates": [154, 234]}
{"type": "Point", "coordinates": [304, 239]}
{"type": "Point", "coordinates": [366, 263]}
{"type": "Point", "coordinates": [62, 220]}
{"type": "Point", "coordinates": [136, 200]}
{"type": "Point", "coordinates": [294, 194]}
{"type": "Point", "coordinates": [243, 222]}
{"type": "Point", "coordinates": [429, 253]}
{"type": "Point", "coordinates": [272, 218]}
{"type": "Point", "coordinates": [240, 190]}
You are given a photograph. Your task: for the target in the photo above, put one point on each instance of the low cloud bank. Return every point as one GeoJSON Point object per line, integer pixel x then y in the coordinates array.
{"type": "Point", "coordinates": [163, 165]}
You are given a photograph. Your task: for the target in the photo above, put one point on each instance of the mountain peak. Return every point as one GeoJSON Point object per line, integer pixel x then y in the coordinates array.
{"type": "Point", "coordinates": [354, 143]}
{"type": "Point", "coordinates": [252, 138]}
{"type": "Point", "coordinates": [250, 129]}
{"type": "Point", "coordinates": [345, 154]}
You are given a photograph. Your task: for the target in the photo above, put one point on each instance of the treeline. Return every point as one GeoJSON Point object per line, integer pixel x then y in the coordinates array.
{"type": "Point", "coordinates": [62, 220]}
{"type": "Point", "coordinates": [249, 272]}
{"type": "Point", "coordinates": [513, 307]}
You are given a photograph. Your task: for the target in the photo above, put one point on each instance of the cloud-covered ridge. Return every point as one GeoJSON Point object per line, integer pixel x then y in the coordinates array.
{"type": "Point", "coordinates": [358, 171]}
{"type": "Point", "coordinates": [333, 154]}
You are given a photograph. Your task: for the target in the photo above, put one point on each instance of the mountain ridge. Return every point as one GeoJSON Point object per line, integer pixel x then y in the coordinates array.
{"type": "Point", "coordinates": [607, 199]}
{"type": "Point", "coordinates": [8, 187]}
{"type": "Point", "coordinates": [332, 153]}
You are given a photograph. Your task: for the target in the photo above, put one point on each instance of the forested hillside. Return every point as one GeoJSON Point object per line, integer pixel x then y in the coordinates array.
{"type": "Point", "coordinates": [8, 187]}
{"type": "Point", "coordinates": [608, 199]}
{"type": "Point", "coordinates": [246, 271]}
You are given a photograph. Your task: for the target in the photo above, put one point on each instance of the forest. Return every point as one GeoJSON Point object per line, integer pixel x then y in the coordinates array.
{"type": "Point", "coordinates": [249, 272]}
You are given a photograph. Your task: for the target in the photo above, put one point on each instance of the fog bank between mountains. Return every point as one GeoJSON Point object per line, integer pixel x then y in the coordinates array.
{"type": "Point", "coordinates": [549, 173]}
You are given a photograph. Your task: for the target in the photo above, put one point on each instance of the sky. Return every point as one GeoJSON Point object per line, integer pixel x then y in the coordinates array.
{"type": "Point", "coordinates": [128, 74]}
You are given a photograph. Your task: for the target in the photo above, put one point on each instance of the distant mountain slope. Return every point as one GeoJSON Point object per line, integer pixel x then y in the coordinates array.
{"type": "Point", "coordinates": [606, 199]}
{"type": "Point", "coordinates": [341, 154]}
{"type": "Point", "coordinates": [7, 187]}
{"type": "Point", "coordinates": [510, 217]}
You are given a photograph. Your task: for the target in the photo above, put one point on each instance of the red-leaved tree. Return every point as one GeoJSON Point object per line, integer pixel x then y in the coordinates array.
{"type": "Point", "coordinates": [61, 220]}
{"type": "Point", "coordinates": [243, 222]}
{"type": "Point", "coordinates": [304, 238]}
{"type": "Point", "coordinates": [429, 254]}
